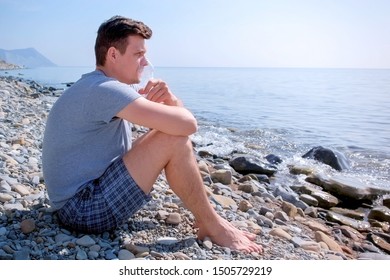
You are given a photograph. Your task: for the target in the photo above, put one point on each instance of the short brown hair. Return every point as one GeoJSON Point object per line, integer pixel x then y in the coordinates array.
{"type": "Point", "coordinates": [114, 33]}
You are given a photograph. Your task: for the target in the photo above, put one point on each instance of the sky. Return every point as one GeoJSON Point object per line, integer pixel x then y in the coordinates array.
{"type": "Point", "coordinates": [210, 33]}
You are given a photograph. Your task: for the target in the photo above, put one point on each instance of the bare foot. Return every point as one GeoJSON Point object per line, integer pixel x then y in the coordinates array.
{"type": "Point", "coordinates": [225, 234]}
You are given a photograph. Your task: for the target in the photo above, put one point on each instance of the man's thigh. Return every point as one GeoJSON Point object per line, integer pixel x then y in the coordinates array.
{"type": "Point", "coordinates": [149, 155]}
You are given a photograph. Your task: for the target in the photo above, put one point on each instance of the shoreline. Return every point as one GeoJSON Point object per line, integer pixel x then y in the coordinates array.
{"type": "Point", "coordinates": [295, 215]}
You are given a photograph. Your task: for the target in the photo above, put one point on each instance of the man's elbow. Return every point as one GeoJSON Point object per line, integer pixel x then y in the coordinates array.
{"type": "Point", "coordinates": [194, 126]}
{"type": "Point", "coordinates": [190, 126]}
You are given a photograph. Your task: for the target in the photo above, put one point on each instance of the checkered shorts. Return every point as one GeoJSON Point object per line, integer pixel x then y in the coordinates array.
{"type": "Point", "coordinates": [105, 203]}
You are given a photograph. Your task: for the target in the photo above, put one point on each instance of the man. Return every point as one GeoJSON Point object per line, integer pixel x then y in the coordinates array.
{"type": "Point", "coordinates": [95, 176]}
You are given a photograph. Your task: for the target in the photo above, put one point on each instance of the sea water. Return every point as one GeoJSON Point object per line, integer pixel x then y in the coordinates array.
{"type": "Point", "coordinates": [283, 111]}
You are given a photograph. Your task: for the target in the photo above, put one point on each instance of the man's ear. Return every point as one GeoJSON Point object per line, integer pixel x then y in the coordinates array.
{"type": "Point", "coordinates": [112, 54]}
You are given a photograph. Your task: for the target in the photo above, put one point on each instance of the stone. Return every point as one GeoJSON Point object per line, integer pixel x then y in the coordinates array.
{"type": "Point", "coordinates": [244, 205]}
{"type": "Point", "coordinates": [247, 187]}
{"type": "Point", "coordinates": [27, 226]}
{"type": "Point", "coordinates": [136, 249]}
{"type": "Point", "coordinates": [222, 176]}
{"type": "Point", "coordinates": [386, 202]}
{"type": "Point", "coordinates": [5, 197]}
{"type": "Point", "coordinates": [311, 246]}
{"type": "Point", "coordinates": [181, 256]}
{"type": "Point", "coordinates": [373, 256]}
{"type": "Point", "coordinates": [325, 200]}
{"type": "Point", "coordinates": [174, 219]}
{"type": "Point", "coordinates": [333, 158]}
{"type": "Point", "coordinates": [223, 201]}
{"type": "Point", "coordinates": [280, 233]}
{"type": "Point", "coordinates": [347, 188]}
{"type": "Point", "coordinates": [359, 225]}
{"type": "Point", "coordinates": [245, 164]}
{"type": "Point", "coordinates": [309, 200]}
{"type": "Point", "coordinates": [315, 226]}
{"type": "Point", "coordinates": [85, 241]}
{"type": "Point", "coordinates": [20, 189]}
{"type": "Point", "coordinates": [125, 255]}
{"type": "Point", "coordinates": [379, 242]}
{"type": "Point", "coordinates": [351, 233]}
{"type": "Point", "coordinates": [4, 186]}
{"type": "Point", "coordinates": [162, 215]}
{"type": "Point", "coordinates": [207, 243]}
{"type": "Point", "coordinates": [281, 216]}
{"type": "Point", "coordinates": [273, 159]}
{"type": "Point", "coordinates": [81, 255]}
{"type": "Point", "coordinates": [3, 231]}
{"type": "Point", "coordinates": [380, 213]}
{"type": "Point", "coordinates": [289, 209]}
{"type": "Point", "coordinates": [332, 244]}
{"type": "Point", "coordinates": [167, 240]}
{"type": "Point", "coordinates": [62, 237]}
{"type": "Point", "coordinates": [354, 214]}
{"type": "Point", "coordinates": [203, 166]}
{"type": "Point", "coordinates": [301, 169]}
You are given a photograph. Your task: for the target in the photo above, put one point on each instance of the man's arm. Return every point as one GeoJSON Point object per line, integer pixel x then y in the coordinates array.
{"type": "Point", "coordinates": [160, 110]}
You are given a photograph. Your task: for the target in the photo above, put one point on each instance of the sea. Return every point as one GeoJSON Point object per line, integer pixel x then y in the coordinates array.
{"type": "Point", "coordinates": [280, 111]}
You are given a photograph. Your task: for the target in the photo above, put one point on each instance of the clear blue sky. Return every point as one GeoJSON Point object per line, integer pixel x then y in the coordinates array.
{"type": "Point", "coordinates": [245, 33]}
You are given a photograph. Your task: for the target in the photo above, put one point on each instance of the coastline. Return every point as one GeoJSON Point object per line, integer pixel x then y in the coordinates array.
{"type": "Point", "coordinates": [296, 215]}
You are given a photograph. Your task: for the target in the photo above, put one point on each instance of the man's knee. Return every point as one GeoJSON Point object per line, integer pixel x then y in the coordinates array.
{"type": "Point", "coordinates": [174, 141]}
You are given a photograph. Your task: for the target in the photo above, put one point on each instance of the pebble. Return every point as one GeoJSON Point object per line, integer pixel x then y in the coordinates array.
{"type": "Point", "coordinates": [207, 243]}
{"type": "Point", "coordinates": [125, 255]}
{"type": "Point", "coordinates": [85, 241]}
{"type": "Point", "coordinates": [27, 226]}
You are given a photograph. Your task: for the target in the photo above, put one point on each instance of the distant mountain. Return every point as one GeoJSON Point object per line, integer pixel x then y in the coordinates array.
{"type": "Point", "coordinates": [29, 58]}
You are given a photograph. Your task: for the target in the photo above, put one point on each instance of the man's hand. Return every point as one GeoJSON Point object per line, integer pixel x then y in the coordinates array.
{"type": "Point", "coordinates": [159, 92]}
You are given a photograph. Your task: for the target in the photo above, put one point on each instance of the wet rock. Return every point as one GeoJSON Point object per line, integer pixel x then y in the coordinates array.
{"type": "Point", "coordinates": [351, 233]}
{"type": "Point", "coordinates": [359, 225]}
{"type": "Point", "coordinates": [245, 164]}
{"type": "Point", "coordinates": [308, 199]}
{"type": "Point", "coordinates": [379, 242]}
{"type": "Point", "coordinates": [325, 200]}
{"type": "Point", "coordinates": [354, 214]}
{"type": "Point", "coordinates": [386, 202]}
{"type": "Point", "coordinates": [273, 159]}
{"type": "Point", "coordinates": [380, 213]}
{"type": "Point", "coordinates": [346, 188]}
{"type": "Point", "coordinates": [327, 156]}
{"type": "Point", "coordinates": [301, 169]}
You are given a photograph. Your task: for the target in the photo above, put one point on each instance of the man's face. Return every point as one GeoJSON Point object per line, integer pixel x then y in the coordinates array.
{"type": "Point", "coordinates": [129, 65]}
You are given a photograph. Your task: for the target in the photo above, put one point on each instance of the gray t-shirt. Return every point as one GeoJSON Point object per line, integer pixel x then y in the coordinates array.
{"type": "Point", "coordinates": [83, 136]}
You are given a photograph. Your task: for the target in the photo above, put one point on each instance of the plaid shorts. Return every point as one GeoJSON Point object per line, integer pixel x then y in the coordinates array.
{"type": "Point", "coordinates": [105, 203]}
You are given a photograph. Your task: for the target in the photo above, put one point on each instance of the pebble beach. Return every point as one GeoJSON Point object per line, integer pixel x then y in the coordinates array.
{"type": "Point", "coordinates": [301, 214]}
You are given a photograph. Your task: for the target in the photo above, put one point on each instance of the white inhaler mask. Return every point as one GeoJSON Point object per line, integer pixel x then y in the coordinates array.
{"type": "Point", "coordinates": [147, 74]}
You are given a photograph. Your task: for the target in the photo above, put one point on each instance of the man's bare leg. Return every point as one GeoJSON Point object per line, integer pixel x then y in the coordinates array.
{"type": "Point", "coordinates": [156, 151]}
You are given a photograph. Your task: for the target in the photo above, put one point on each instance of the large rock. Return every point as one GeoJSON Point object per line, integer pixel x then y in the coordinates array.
{"type": "Point", "coordinates": [327, 156]}
{"type": "Point", "coordinates": [343, 220]}
{"type": "Point", "coordinates": [346, 188]}
{"type": "Point", "coordinates": [246, 164]}
{"type": "Point", "coordinates": [380, 213]}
